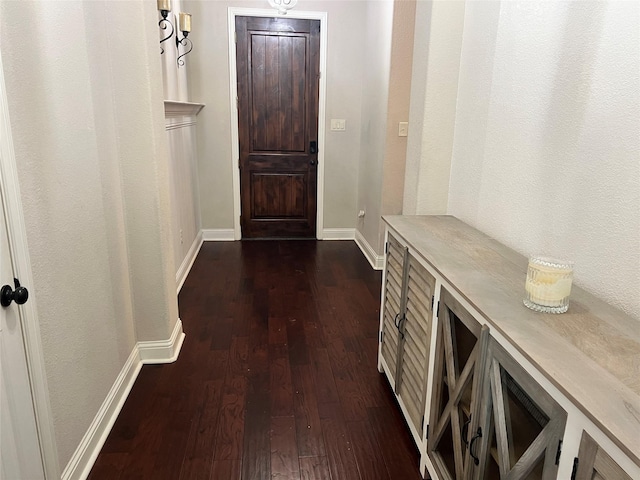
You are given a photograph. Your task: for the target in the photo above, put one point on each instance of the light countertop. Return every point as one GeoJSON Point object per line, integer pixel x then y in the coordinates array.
{"type": "Point", "coordinates": [590, 353]}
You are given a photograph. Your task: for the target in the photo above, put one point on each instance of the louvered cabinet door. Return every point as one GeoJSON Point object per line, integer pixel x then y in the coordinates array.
{"type": "Point", "coordinates": [521, 425]}
{"type": "Point", "coordinates": [393, 307]}
{"type": "Point", "coordinates": [415, 335]}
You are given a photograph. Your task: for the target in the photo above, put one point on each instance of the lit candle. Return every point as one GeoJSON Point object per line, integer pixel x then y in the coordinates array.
{"type": "Point", "coordinates": [185, 22]}
{"type": "Point", "coordinates": [164, 5]}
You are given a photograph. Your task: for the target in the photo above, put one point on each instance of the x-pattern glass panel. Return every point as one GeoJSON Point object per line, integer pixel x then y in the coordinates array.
{"type": "Point", "coordinates": [460, 351]}
{"type": "Point", "coordinates": [520, 435]}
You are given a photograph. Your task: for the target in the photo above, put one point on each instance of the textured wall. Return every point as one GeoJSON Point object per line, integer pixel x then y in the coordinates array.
{"type": "Point", "coordinates": [137, 100]}
{"type": "Point", "coordinates": [375, 89]}
{"type": "Point", "coordinates": [209, 84]}
{"type": "Point", "coordinates": [547, 150]}
{"type": "Point", "coordinates": [397, 110]}
{"type": "Point", "coordinates": [438, 39]}
{"type": "Point", "coordinates": [182, 144]}
{"type": "Point", "coordinates": [345, 71]}
{"type": "Point", "coordinates": [89, 139]}
{"type": "Point", "coordinates": [422, 32]}
{"type": "Point", "coordinates": [67, 225]}
{"type": "Point", "coordinates": [174, 78]}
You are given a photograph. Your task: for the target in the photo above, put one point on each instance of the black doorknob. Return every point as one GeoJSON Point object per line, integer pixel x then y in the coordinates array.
{"type": "Point", "coordinates": [312, 163]}
{"type": "Point", "coordinates": [7, 295]}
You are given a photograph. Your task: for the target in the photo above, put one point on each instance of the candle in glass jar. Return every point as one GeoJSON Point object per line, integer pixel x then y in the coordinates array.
{"type": "Point", "coordinates": [548, 284]}
{"type": "Point", "coordinates": [185, 22]}
{"type": "Point", "coordinates": [164, 5]}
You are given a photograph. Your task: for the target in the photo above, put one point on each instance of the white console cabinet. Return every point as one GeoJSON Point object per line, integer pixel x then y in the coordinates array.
{"type": "Point", "coordinates": [489, 388]}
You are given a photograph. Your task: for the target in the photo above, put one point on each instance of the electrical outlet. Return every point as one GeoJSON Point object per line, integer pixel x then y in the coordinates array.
{"type": "Point", "coordinates": [181, 240]}
{"type": "Point", "coordinates": [403, 129]}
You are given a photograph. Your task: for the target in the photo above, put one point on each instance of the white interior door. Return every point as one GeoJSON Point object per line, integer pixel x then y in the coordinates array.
{"type": "Point", "coordinates": [20, 456]}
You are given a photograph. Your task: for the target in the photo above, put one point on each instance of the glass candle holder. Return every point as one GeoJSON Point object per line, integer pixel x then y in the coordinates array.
{"type": "Point", "coordinates": [548, 284]}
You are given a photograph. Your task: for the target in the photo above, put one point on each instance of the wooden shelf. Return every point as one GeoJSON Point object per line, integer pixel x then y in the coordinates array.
{"type": "Point", "coordinates": [181, 109]}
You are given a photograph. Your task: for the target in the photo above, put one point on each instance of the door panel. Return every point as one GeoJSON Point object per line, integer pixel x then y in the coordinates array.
{"type": "Point", "coordinates": [593, 463]}
{"type": "Point", "coordinates": [277, 195]}
{"type": "Point", "coordinates": [406, 327]}
{"type": "Point", "coordinates": [412, 383]}
{"type": "Point", "coordinates": [278, 84]}
{"type": "Point", "coordinates": [393, 306]}
{"type": "Point", "coordinates": [278, 66]}
{"type": "Point", "coordinates": [19, 445]}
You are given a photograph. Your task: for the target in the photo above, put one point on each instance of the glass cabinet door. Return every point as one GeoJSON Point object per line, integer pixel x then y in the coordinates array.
{"type": "Point", "coordinates": [460, 348]}
{"type": "Point", "coordinates": [593, 463]}
{"type": "Point", "coordinates": [521, 428]}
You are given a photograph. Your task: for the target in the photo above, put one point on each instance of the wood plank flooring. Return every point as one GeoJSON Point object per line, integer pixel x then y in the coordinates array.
{"type": "Point", "coordinates": [276, 379]}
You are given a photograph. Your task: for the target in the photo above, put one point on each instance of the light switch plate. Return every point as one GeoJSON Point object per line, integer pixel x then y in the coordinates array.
{"type": "Point", "coordinates": [403, 129]}
{"type": "Point", "coordinates": [338, 124]}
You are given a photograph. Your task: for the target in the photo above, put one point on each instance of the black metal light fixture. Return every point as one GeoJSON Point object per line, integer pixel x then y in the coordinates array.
{"type": "Point", "coordinates": [184, 22]}
{"type": "Point", "coordinates": [184, 25]}
{"type": "Point", "coordinates": [165, 24]}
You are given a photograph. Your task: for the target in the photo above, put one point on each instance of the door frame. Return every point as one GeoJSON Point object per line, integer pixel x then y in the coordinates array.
{"type": "Point", "coordinates": [234, 12]}
{"type": "Point", "coordinates": [28, 313]}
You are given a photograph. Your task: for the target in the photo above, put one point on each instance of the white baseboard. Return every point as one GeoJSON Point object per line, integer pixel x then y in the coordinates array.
{"type": "Point", "coordinates": [228, 235]}
{"type": "Point", "coordinates": [376, 261]}
{"type": "Point", "coordinates": [187, 263]}
{"type": "Point", "coordinates": [162, 351]}
{"type": "Point", "coordinates": [166, 351]}
{"type": "Point", "coordinates": [218, 235]}
{"type": "Point", "coordinates": [338, 233]}
{"type": "Point", "coordinates": [85, 455]}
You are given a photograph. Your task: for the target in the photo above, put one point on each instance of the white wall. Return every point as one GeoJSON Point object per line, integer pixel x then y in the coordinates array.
{"type": "Point", "coordinates": [183, 146]}
{"type": "Point", "coordinates": [436, 63]}
{"type": "Point", "coordinates": [185, 198]}
{"type": "Point", "coordinates": [375, 90]}
{"type": "Point", "coordinates": [547, 148]}
{"type": "Point", "coordinates": [398, 109]}
{"type": "Point", "coordinates": [174, 78]}
{"type": "Point", "coordinates": [208, 66]}
{"type": "Point", "coordinates": [86, 114]}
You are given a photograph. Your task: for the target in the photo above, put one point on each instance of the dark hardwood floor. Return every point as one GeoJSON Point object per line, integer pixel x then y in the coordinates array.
{"type": "Point", "coordinates": [276, 379]}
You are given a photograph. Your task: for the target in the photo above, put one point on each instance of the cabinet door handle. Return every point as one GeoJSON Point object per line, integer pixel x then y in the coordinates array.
{"type": "Point", "coordinates": [574, 471]}
{"type": "Point", "coordinates": [465, 429]}
{"type": "Point", "coordinates": [398, 322]}
{"type": "Point", "coordinates": [478, 435]}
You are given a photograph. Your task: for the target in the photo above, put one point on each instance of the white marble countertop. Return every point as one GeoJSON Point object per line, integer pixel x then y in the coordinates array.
{"type": "Point", "coordinates": [590, 353]}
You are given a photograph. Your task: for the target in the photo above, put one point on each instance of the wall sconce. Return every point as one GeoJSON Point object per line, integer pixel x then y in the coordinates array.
{"type": "Point", "coordinates": [184, 25]}
{"type": "Point", "coordinates": [165, 7]}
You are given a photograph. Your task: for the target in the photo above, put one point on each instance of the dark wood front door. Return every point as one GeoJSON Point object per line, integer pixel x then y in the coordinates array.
{"type": "Point", "coordinates": [278, 62]}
